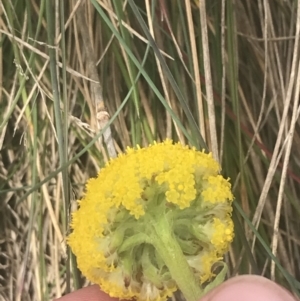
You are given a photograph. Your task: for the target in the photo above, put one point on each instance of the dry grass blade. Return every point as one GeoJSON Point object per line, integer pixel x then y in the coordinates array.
{"type": "Point", "coordinates": [287, 145]}
{"type": "Point", "coordinates": [223, 92]}
{"type": "Point", "coordinates": [278, 145]}
{"type": "Point", "coordinates": [44, 55]}
{"type": "Point", "coordinates": [101, 113]}
{"type": "Point", "coordinates": [196, 70]}
{"type": "Point", "coordinates": [208, 83]}
{"type": "Point", "coordinates": [163, 80]}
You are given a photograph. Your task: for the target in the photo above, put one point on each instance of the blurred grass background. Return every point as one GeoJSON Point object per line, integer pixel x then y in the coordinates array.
{"type": "Point", "coordinates": [219, 75]}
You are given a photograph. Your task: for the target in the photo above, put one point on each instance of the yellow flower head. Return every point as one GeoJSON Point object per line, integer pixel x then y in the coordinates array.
{"type": "Point", "coordinates": [154, 220]}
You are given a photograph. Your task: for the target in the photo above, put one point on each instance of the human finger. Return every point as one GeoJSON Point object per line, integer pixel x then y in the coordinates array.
{"type": "Point", "coordinates": [249, 288]}
{"type": "Point", "coordinates": [89, 293]}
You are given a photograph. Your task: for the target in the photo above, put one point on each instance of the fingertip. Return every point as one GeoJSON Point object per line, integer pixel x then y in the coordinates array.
{"type": "Point", "coordinates": [89, 293]}
{"type": "Point", "coordinates": [249, 288]}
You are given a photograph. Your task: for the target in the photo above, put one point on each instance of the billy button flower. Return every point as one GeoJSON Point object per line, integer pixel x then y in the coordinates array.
{"type": "Point", "coordinates": [155, 220]}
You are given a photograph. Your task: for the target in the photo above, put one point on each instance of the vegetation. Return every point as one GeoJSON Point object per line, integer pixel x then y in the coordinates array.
{"type": "Point", "coordinates": [219, 75]}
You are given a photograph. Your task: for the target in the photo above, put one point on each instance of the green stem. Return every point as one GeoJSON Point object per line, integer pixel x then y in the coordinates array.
{"type": "Point", "coordinates": [168, 248]}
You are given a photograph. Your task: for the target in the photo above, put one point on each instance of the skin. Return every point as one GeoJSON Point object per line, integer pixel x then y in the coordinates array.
{"type": "Point", "coordinates": [246, 288]}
